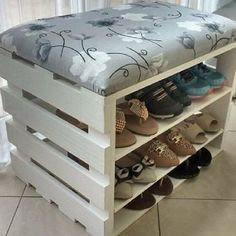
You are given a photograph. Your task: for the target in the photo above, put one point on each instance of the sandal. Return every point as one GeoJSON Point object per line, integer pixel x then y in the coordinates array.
{"type": "Point", "coordinates": [207, 122]}
{"type": "Point", "coordinates": [178, 144]}
{"type": "Point", "coordinates": [163, 187]}
{"type": "Point", "coordinates": [192, 132]}
{"type": "Point", "coordinates": [159, 152]}
{"type": "Point", "coordinates": [124, 138]}
{"type": "Point", "coordinates": [143, 201]}
{"type": "Point", "coordinates": [140, 169]}
{"type": "Point", "coordinates": [137, 119]}
{"type": "Point", "coordinates": [123, 189]}
{"type": "Point", "coordinates": [71, 120]}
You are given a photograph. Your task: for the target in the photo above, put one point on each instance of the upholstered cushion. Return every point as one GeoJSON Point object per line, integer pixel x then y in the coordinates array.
{"type": "Point", "coordinates": [108, 50]}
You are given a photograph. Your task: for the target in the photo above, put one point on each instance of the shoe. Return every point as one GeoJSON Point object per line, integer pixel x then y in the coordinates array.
{"type": "Point", "coordinates": [191, 131]}
{"type": "Point", "coordinates": [206, 121]}
{"type": "Point", "coordinates": [123, 188]}
{"type": "Point", "coordinates": [159, 152]}
{"type": "Point", "coordinates": [214, 78]}
{"type": "Point", "coordinates": [186, 170]}
{"type": "Point", "coordinates": [191, 84]}
{"type": "Point", "coordinates": [124, 138]}
{"type": "Point", "coordinates": [178, 95]}
{"type": "Point", "coordinates": [178, 144]}
{"type": "Point", "coordinates": [163, 187]}
{"type": "Point", "coordinates": [140, 168]}
{"type": "Point", "coordinates": [202, 158]}
{"type": "Point", "coordinates": [143, 201]}
{"type": "Point", "coordinates": [137, 119]}
{"type": "Point", "coordinates": [158, 102]}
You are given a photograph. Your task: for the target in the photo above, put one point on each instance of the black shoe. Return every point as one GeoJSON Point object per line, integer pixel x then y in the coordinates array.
{"type": "Point", "coordinates": [176, 93]}
{"type": "Point", "coordinates": [201, 158]}
{"type": "Point", "coordinates": [186, 170]}
{"type": "Point", "coordinates": [158, 102]}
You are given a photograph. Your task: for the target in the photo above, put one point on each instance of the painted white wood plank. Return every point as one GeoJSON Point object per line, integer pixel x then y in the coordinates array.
{"type": "Point", "coordinates": [126, 217]}
{"type": "Point", "coordinates": [68, 202]}
{"type": "Point", "coordinates": [59, 131]}
{"type": "Point", "coordinates": [164, 125]}
{"type": "Point", "coordinates": [60, 165]}
{"type": "Point", "coordinates": [80, 103]}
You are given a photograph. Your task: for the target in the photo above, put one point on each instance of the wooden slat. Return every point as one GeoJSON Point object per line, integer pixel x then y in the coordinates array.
{"type": "Point", "coordinates": [59, 164]}
{"type": "Point", "coordinates": [81, 103]}
{"type": "Point", "coordinates": [59, 131]}
{"type": "Point", "coordinates": [68, 202]}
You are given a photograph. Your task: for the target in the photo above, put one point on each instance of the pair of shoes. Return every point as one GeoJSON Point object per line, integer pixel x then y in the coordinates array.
{"type": "Point", "coordinates": [163, 187]}
{"type": "Point", "coordinates": [163, 99]}
{"type": "Point", "coordinates": [165, 149]}
{"type": "Point", "coordinates": [177, 143]}
{"type": "Point", "coordinates": [158, 151]}
{"type": "Point", "coordinates": [194, 127]}
{"type": "Point", "coordinates": [215, 79]}
{"type": "Point", "coordinates": [132, 117]}
{"type": "Point", "coordinates": [132, 169]}
{"type": "Point", "coordinates": [190, 168]}
{"type": "Point", "coordinates": [198, 81]}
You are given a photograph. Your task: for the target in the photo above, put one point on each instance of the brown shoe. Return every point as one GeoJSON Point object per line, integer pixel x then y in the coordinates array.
{"type": "Point", "coordinates": [159, 152]}
{"type": "Point", "coordinates": [178, 144]}
{"type": "Point", "coordinates": [124, 138]}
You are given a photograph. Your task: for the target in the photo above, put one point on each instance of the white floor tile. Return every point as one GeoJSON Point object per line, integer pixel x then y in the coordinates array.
{"type": "Point", "coordinates": [7, 209]}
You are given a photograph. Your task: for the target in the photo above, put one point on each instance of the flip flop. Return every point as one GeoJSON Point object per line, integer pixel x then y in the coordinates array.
{"type": "Point", "coordinates": [163, 187]}
{"type": "Point", "coordinates": [207, 122]}
{"type": "Point", "coordinates": [192, 132]}
{"type": "Point", "coordinates": [141, 169]}
{"type": "Point", "coordinates": [124, 138]}
{"type": "Point", "coordinates": [137, 119]}
{"type": "Point", "coordinates": [143, 201]}
{"type": "Point", "coordinates": [71, 120]}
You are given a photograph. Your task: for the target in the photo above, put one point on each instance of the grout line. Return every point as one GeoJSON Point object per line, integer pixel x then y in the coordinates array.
{"type": "Point", "coordinates": [32, 197]}
{"type": "Point", "coordinates": [159, 222]}
{"type": "Point", "coordinates": [13, 217]}
{"type": "Point", "coordinates": [203, 199]}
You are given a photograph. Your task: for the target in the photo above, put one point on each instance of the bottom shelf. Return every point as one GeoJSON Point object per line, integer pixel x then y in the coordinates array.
{"type": "Point", "coordinates": [125, 217]}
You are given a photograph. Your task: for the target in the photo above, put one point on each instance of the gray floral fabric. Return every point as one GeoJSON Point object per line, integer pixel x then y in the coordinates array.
{"type": "Point", "coordinates": [108, 50]}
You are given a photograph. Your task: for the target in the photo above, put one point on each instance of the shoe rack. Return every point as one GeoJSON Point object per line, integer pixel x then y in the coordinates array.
{"type": "Point", "coordinates": [85, 193]}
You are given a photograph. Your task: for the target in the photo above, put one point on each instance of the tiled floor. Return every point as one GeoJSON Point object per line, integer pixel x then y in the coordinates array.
{"type": "Point", "coordinates": [205, 206]}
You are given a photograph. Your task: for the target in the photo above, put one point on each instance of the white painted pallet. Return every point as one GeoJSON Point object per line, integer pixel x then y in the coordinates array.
{"type": "Point", "coordinates": [86, 195]}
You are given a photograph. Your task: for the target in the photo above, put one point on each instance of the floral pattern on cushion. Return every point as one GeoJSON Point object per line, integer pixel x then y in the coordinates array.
{"type": "Point", "coordinates": [108, 50]}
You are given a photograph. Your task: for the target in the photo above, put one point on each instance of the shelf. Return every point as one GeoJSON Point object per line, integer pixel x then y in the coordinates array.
{"type": "Point", "coordinates": [126, 217]}
{"type": "Point", "coordinates": [160, 172]}
{"type": "Point", "coordinates": [164, 125]}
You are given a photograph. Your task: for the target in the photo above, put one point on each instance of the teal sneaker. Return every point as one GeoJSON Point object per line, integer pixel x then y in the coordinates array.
{"type": "Point", "coordinates": [191, 84]}
{"type": "Point", "coordinates": [214, 78]}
